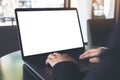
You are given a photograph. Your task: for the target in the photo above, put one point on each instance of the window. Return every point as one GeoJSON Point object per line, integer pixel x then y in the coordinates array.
{"type": "Point", "coordinates": [7, 16]}
{"type": "Point", "coordinates": [103, 9]}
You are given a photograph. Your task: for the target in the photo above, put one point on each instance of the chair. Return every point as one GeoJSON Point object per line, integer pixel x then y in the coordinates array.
{"type": "Point", "coordinates": [8, 40]}
{"type": "Point", "coordinates": [99, 31]}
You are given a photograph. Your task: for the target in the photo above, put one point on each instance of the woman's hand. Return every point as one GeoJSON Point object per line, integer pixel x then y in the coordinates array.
{"type": "Point", "coordinates": [55, 58]}
{"type": "Point", "coordinates": [92, 54]}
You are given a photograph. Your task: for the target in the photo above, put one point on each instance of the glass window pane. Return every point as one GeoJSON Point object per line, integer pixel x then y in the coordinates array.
{"type": "Point", "coordinates": [47, 3]}
{"type": "Point", "coordinates": [7, 16]}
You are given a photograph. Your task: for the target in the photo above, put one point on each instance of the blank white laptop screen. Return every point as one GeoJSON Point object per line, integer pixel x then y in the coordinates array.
{"type": "Point", "coordinates": [48, 31]}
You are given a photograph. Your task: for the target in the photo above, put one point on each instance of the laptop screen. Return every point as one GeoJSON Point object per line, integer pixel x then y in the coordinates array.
{"type": "Point", "coordinates": [48, 30]}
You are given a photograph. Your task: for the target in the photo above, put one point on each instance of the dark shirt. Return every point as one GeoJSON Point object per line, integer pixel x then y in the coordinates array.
{"type": "Point", "coordinates": [107, 69]}
{"type": "Point", "coordinates": [66, 71]}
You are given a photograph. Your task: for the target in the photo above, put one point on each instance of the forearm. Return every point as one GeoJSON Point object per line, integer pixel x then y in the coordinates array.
{"type": "Point", "coordinates": [66, 71]}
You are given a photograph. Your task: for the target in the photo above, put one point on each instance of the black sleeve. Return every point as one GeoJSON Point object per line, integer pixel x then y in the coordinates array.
{"type": "Point", "coordinates": [66, 71]}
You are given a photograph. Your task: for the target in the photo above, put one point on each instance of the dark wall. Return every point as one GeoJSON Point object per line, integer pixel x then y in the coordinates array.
{"type": "Point", "coordinates": [8, 40]}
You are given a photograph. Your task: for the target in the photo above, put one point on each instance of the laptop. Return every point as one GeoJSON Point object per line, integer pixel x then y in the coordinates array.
{"type": "Point", "coordinates": [46, 30]}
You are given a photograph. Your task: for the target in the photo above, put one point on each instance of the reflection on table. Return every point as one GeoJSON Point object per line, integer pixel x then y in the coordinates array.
{"type": "Point", "coordinates": [12, 66]}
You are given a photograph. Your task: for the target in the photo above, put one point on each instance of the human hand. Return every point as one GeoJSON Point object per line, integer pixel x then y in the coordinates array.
{"type": "Point", "coordinates": [92, 54]}
{"type": "Point", "coordinates": [55, 58]}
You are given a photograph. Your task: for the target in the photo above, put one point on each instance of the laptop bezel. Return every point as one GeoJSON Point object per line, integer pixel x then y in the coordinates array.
{"type": "Point", "coordinates": [42, 9]}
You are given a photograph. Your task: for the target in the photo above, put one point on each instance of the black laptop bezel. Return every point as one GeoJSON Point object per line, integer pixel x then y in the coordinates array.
{"type": "Point", "coordinates": [44, 9]}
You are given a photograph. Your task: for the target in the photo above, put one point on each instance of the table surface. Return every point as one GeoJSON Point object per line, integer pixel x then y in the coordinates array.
{"type": "Point", "coordinates": [11, 66]}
